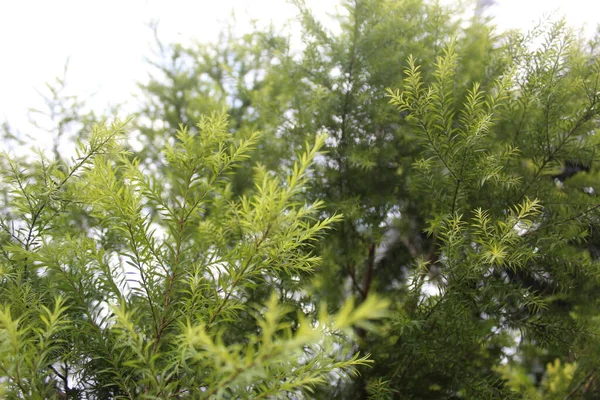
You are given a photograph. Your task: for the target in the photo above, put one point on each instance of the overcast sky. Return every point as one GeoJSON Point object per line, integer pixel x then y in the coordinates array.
{"type": "Point", "coordinates": [106, 41]}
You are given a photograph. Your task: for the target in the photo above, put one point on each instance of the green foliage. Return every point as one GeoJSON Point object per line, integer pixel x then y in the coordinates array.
{"type": "Point", "coordinates": [157, 297]}
{"type": "Point", "coordinates": [491, 269]}
{"type": "Point", "coordinates": [458, 169]}
{"type": "Point", "coordinates": [555, 383]}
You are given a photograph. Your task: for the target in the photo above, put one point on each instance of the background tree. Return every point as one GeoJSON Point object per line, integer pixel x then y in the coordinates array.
{"type": "Point", "coordinates": [401, 194]}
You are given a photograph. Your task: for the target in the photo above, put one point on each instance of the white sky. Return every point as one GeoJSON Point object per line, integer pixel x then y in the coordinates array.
{"type": "Point", "coordinates": [106, 41]}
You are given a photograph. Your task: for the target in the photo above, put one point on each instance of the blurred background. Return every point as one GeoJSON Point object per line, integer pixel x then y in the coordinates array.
{"type": "Point", "coordinates": [106, 44]}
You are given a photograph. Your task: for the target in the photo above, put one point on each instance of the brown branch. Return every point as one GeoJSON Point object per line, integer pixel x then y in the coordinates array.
{"type": "Point", "coordinates": [588, 378]}
{"type": "Point", "coordinates": [588, 385]}
{"type": "Point", "coordinates": [352, 273]}
{"type": "Point", "coordinates": [64, 378]}
{"type": "Point", "coordinates": [370, 268]}
{"type": "Point", "coordinates": [368, 278]}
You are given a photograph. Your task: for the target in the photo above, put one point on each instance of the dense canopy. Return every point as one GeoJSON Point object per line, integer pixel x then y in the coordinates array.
{"type": "Point", "coordinates": [404, 208]}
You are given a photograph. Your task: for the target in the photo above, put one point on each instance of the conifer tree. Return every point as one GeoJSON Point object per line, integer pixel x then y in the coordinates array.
{"type": "Point", "coordinates": [156, 298]}
{"type": "Point", "coordinates": [391, 171]}
{"type": "Point", "coordinates": [458, 181]}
